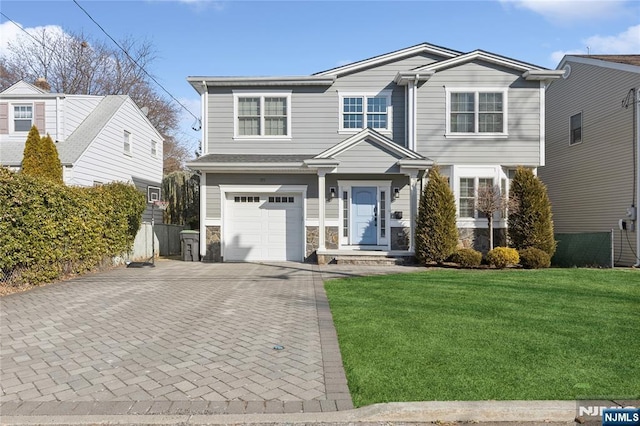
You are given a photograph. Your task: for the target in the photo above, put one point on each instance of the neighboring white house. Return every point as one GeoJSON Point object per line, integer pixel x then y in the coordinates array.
{"type": "Point", "coordinates": [593, 141]}
{"type": "Point", "coordinates": [299, 168]}
{"type": "Point", "coordinates": [99, 139]}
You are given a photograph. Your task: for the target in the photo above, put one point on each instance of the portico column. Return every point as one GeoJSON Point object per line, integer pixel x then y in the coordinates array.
{"type": "Point", "coordinates": [321, 209]}
{"type": "Point", "coordinates": [413, 208]}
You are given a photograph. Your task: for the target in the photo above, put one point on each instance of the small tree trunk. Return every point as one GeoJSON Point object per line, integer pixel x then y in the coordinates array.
{"type": "Point", "coordinates": [490, 219]}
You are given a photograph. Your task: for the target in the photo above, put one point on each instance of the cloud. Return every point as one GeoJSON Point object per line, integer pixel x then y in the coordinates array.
{"type": "Point", "coordinates": [11, 33]}
{"type": "Point", "coordinates": [626, 42]}
{"type": "Point", "coordinates": [566, 11]}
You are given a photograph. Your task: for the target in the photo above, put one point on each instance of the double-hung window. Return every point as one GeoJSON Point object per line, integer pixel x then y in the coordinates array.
{"type": "Point", "coordinates": [576, 128]}
{"type": "Point", "coordinates": [259, 115]}
{"type": "Point", "coordinates": [468, 199]}
{"type": "Point", "coordinates": [362, 110]}
{"type": "Point", "coordinates": [22, 118]}
{"type": "Point", "coordinates": [126, 146]}
{"type": "Point", "coordinates": [476, 112]}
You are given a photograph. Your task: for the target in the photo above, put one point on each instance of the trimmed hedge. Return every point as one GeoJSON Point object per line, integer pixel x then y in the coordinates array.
{"type": "Point", "coordinates": [501, 257]}
{"type": "Point", "coordinates": [534, 258]}
{"type": "Point", "coordinates": [47, 231]}
{"type": "Point", "coordinates": [467, 257]}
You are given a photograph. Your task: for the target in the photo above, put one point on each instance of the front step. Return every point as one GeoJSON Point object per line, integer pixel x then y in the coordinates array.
{"type": "Point", "coordinates": [367, 260]}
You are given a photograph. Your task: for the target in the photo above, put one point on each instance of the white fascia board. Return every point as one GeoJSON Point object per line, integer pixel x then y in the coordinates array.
{"type": "Point", "coordinates": [403, 78]}
{"type": "Point", "coordinates": [399, 54]}
{"type": "Point", "coordinates": [599, 63]}
{"type": "Point", "coordinates": [542, 75]}
{"type": "Point", "coordinates": [201, 83]}
{"type": "Point", "coordinates": [368, 134]}
{"type": "Point", "coordinates": [477, 55]}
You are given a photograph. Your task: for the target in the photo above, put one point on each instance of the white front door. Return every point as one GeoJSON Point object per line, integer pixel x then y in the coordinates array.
{"type": "Point", "coordinates": [263, 227]}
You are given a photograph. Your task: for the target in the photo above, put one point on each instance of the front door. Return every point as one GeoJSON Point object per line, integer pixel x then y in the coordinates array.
{"type": "Point", "coordinates": [364, 219]}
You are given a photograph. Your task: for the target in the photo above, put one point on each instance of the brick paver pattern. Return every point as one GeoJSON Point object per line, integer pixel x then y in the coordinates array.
{"type": "Point", "coordinates": [182, 337]}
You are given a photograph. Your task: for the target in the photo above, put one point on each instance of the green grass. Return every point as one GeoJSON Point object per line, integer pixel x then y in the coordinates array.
{"type": "Point", "coordinates": [483, 335]}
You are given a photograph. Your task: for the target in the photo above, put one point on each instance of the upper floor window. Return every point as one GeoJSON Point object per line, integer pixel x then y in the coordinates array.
{"type": "Point", "coordinates": [22, 118]}
{"type": "Point", "coordinates": [127, 142]}
{"type": "Point", "coordinates": [476, 112]}
{"type": "Point", "coordinates": [358, 111]}
{"type": "Point", "coordinates": [262, 114]}
{"type": "Point", "coordinates": [154, 148]}
{"type": "Point", "coordinates": [576, 128]}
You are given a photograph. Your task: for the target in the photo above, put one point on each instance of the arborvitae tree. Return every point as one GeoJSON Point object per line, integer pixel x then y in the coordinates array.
{"type": "Point", "coordinates": [436, 230]}
{"type": "Point", "coordinates": [530, 223]}
{"type": "Point", "coordinates": [40, 157]}
{"type": "Point", "coordinates": [51, 166]}
{"type": "Point", "coordinates": [32, 154]}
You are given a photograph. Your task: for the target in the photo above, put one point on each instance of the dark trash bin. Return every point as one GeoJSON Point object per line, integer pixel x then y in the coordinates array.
{"type": "Point", "coordinates": [190, 246]}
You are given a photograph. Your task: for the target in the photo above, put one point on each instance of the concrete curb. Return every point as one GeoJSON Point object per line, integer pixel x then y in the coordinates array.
{"type": "Point", "coordinates": [504, 412]}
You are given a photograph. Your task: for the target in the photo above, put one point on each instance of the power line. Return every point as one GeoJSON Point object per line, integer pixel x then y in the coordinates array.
{"type": "Point", "coordinates": [136, 62]}
{"type": "Point", "coordinates": [40, 42]}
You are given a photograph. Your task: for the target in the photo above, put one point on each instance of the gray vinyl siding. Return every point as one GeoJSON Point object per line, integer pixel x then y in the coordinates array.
{"type": "Point", "coordinates": [590, 184]}
{"type": "Point", "coordinates": [214, 208]}
{"type": "Point", "coordinates": [315, 112]}
{"type": "Point", "coordinates": [378, 160]}
{"type": "Point", "coordinates": [522, 146]}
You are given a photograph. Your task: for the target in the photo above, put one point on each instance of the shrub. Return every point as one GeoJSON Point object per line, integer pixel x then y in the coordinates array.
{"type": "Point", "coordinates": [436, 230]}
{"type": "Point", "coordinates": [467, 257]}
{"type": "Point", "coordinates": [40, 158]}
{"type": "Point", "coordinates": [530, 223]}
{"type": "Point", "coordinates": [534, 258]}
{"type": "Point", "coordinates": [501, 257]}
{"type": "Point", "coordinates": [49, 230]}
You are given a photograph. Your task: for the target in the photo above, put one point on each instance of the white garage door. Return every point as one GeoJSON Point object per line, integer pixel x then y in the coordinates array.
{"type": "Point", "coordinates": [263, 227]}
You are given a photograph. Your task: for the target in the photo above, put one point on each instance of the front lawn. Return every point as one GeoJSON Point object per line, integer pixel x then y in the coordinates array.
{"type": "Point", "coordinates": [482, 335]}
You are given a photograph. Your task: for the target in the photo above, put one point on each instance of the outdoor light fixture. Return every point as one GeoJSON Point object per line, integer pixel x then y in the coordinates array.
{"type": "Point", "coordinates": [332, 191]}
{"type": "Point", "coordinates": [396, 192]}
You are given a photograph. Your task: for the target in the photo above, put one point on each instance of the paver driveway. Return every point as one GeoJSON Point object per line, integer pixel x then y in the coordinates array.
{"type": "Point", "coordinates": [181, 337]}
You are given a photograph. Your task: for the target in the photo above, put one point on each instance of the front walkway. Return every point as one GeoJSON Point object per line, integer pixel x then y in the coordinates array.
{"type": "Point", "coordinates": [183, 337]}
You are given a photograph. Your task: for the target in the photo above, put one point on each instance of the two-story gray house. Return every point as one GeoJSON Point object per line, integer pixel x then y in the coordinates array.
{"type": "Point", "coordinates": [314, 167]}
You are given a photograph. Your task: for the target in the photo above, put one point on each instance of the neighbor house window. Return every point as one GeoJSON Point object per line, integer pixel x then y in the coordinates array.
{"type": "Point", "coordinates": [359, 111]}
{"type": "Point", "coordinates": [263, 115]}
{"type": "Point", "coordinates": [476, 112]}
{"type": "Point", "coordinates": [127, 142]}
{"type": "Point", "coordinates": [576, 128]}
{"type": "Point", "coordinates": [22, 118]}
{"type": "Point", "coordinates": [154, 148]}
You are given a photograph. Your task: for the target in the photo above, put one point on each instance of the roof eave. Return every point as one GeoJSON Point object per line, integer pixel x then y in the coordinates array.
{"type": "Point", "coordinates": [542, 75]}
{"type": "Point", "coordinates": [405, 77]}
{"type": "Point", "coordinates": [200, 83]}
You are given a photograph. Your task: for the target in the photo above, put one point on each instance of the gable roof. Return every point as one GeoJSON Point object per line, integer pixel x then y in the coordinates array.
{"type": "Point", "coordinates": [72, 148]}
{"type": "Point", "coordinates": [629, 63]}
{"type": "Point", "coordinates": [483, 56]}
{"type": "Point", "coordinates": [373, 136]}
{"type": "Point", "coordinates": [391, 56]}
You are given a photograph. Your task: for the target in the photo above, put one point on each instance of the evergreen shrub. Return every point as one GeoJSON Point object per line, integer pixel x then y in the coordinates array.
{"type": "Point", "coordinates": [467, 257]}
{"type": "Point", "coordinates": [501, 257]}
{"type": "Point", "coordinates": [534, 258]}
{"type": "Point", "coordinates": [47, 231]}
{"type": "Point", "coordinates": [436, 230]}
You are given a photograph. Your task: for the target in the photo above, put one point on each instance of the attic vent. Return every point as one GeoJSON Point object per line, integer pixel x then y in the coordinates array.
{"type": "Point", "coordinates": [567, 71]}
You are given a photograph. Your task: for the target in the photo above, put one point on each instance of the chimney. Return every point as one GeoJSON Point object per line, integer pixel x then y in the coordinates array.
{"type": "Point", "coordinates": [41, 82]}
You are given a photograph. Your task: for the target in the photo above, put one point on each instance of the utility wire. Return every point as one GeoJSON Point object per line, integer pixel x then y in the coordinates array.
{"type": "Point", "coordinates": [135, 62]}
{"type": "Point", "coordinates": [40, 42]}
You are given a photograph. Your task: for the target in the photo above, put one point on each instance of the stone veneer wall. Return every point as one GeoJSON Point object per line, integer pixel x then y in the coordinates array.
{"type": "Point", "coordinates": [330, 241]}
{"type": "Point", "coordinates": [478, 238]}
{"type": "Point", "coordinates": [400, 238]}
{"type": "Point", "coordinates": [213, 253]}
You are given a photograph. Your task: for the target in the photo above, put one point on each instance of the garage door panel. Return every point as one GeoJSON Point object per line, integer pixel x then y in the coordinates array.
{"type": "Point", "coordinates": [270, 229]}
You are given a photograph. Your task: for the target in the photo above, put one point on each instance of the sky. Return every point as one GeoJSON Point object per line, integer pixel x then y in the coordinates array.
{"type": "Point", "coordinates": [276, 38]}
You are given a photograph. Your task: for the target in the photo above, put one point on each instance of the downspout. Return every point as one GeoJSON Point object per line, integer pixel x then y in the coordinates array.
{"type": "Point", "coordinates": [203, 175]}
{"type": "Point", "coordinates": [636, 110]}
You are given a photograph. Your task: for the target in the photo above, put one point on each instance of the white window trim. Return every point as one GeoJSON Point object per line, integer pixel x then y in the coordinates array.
{"type": "Point", "coordinates": [12, 117]}
{"type": "Point", "coordinates": [497, 173]}
{"type": "Point", "coordinates": [382, 94]}
{"type": "Point", "coordinates": [382, 185]}
{"type": "Point", "coordinates": [154, 143]}
{"type": "Point", "coordinates": [130, 137]}
{"type": "Point", "coordinates": [477, 134]}
{"type": "Point", "coordinates": [261, 94]}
